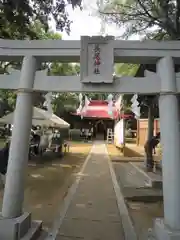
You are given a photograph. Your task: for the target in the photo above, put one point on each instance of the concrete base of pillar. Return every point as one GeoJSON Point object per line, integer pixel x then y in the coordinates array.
{"type": "Point", "coordinates": [163, 232]}
{"type": "Point", "coordinates": [21, 228]}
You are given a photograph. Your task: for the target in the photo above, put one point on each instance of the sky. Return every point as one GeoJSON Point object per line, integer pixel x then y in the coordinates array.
{"type": "Point", "coordinates": [86, 23]}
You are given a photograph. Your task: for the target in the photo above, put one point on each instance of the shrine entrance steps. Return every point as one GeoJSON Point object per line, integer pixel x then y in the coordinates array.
{"type": "Point", "coordinates": [94, 206]}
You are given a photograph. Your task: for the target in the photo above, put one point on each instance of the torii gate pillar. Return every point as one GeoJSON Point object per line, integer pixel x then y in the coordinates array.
{"type": "Point", "coordinates": [14, 224]}
{"type": "Point", "coordinates": [169, 227]}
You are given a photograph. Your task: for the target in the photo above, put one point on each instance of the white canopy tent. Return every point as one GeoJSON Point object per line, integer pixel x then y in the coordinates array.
{"type": "Point", "coordinates": [40, 117]}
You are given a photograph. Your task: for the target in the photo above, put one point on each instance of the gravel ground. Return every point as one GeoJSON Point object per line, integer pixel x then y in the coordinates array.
{"type": "Point", "coordinates": [47, 183]}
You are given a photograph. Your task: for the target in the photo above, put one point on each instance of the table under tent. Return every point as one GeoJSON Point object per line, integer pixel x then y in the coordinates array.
{"type": "Point", "coordinates": [45, 133]}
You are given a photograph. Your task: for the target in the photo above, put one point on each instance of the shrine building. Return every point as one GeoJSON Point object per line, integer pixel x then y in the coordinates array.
{"type": "Point", "coordinates": [97, 115]}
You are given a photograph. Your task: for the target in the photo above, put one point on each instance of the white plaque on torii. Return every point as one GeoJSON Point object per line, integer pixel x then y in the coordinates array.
{"type": "Point", "coordinates": [97, 59]}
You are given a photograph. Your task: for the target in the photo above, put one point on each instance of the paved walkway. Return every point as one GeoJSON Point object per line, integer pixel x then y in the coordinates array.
{"type": "Point", "coordinates": [92, 212]}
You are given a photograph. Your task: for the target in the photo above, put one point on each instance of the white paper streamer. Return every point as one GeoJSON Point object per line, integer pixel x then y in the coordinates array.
{"type": "Point", "coordinates": [48, 102]}
{"type": "Point", "coordinates": [110, 104]}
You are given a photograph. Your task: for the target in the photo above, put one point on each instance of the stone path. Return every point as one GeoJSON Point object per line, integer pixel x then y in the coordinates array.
{"type": "Point", "coordinates": [93, 212]}
{"type": "Point", "coordinates": [128, 176]}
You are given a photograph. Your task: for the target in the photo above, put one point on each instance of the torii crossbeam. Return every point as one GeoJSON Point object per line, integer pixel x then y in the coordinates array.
{"type": "Point", "coordinates": [69, 51]}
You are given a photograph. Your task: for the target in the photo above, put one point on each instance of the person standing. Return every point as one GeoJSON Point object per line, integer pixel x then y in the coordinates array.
{"type": "Point", "coordinates": [4, 155]}
{"type": "Point", "coordinates": [149, 147]}
{"type": "Point", "coordinates": [105, 134]}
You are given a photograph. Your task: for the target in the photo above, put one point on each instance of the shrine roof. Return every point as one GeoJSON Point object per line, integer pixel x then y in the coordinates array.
{"type": "Point", "coordinates": [99, 109]}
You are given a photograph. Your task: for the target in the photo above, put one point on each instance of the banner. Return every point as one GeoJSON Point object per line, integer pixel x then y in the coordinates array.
{"type": "Point", "coordinates": [119, 133]}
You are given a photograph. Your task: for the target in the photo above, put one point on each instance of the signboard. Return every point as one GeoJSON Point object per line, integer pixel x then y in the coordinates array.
{"type": "Point", "coordinates": [97, 59]}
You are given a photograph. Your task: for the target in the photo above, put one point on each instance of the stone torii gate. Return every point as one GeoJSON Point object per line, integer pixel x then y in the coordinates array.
{"type": "Point", "coordinates": [14, 224]}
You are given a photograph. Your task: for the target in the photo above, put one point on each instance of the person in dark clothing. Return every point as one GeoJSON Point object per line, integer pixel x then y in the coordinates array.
{"type": "Point", "coordinates": [105, 134]}
{"type": "Point", "coordinates": [149, 147]}
{"type": "Point", "coordinates": [34, 144]}
{"type": "Point", "coordinates": [4, 155]}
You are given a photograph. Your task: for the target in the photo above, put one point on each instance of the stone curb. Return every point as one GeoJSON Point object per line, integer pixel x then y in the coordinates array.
{"type": "Point", "coordinates": [129, 231]}
{"type": "Point", "coordinates": [150, 181]}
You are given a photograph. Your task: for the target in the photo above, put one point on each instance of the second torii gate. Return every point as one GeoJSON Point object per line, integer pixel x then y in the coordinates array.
{"type": "Point", "coordinates": [14, 223]}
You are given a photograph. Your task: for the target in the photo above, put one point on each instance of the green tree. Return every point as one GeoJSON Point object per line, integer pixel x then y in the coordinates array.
{"type": "Point", "coordinates": [61, 102]}
{"type": "Point", "coordinates": [128, 69]}
{"type": "Point", "coordinates": [64, 103]}
{"type": "Point", "coordinates": [41, 32]}
{"type": "Point", "coordinates": [18, 16]}
{"type": "Point", "coordinates": [157, 19]}
{"type": "Point", "coordinates": [63, 69]}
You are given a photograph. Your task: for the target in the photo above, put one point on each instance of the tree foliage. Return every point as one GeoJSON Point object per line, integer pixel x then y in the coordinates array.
{"type": "Point", "coordinates": [64, 102]}
{"type": "Point", "coordinates": [24, 19]}
{"type": "Point", "coordinates": [18, 16]}
{"type": "Point", "coordinates": [127, 69]}
{"type": "Point", "coordinates": [61, 101]}
{"type": "Point", "coordinates": [158, 19]}
{"type": "Point", "coordinates": [150, 19]}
